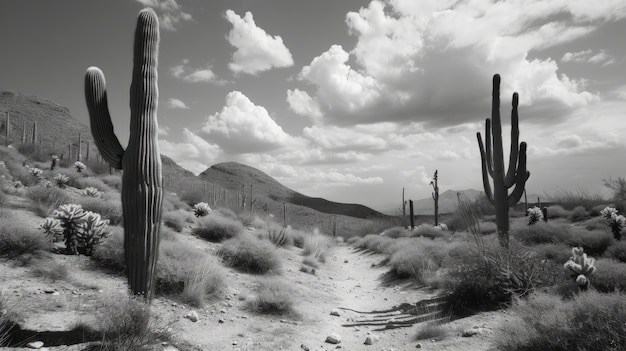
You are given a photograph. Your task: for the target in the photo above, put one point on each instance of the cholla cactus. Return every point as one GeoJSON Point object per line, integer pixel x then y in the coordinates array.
{"type": "Point", "coordinates": [91, 191]}
{"type": "Point", "coordinates": [62, 180]}
{"type": "Point", "coordinates": [201, 209]}
{"type": "Point", "coordinates": [53, 162]}
{"type": "Point", "coordinates": [580, 267]}
{"type": "Point", "coordinates": [52, 227]}
{"type": "Point", "coordinates": [70, 216]}
{"type": "Point", "coordinates": [534, 215]}
{"type": "Point", "coordinates": [36, 173]}
{"type": "Point", "coordinates": [615, 221]}
{"type": "Point", "coordinates": [91, 230]}
{"type": "Point", "coordinates": [79, 166]}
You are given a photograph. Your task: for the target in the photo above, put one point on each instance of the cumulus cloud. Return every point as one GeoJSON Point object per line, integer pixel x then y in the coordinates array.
{"type": "Point", "coordinates": [256, 51]}
{"type": "Point", "coordinates": [193, 153]}
{"type": "Point", "coordinates": [176, 103]}
{"type": "Point", "coordinates": [241, 127]}
{"type": "Point", "coordinates": [170, 11]}
{"type": "Point", "coordinates": [432, 61]}
{"type": "Point", "coordinates": [195, 75]}
{"type": "Point", "coordinates": [303, 104]}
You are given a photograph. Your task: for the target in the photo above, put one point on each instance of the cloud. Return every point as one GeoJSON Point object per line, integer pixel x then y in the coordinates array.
{"type": "Point", "coordinates": [256, 51]}
{"type": "Point", "coordinates": [163, 130]}
{"type": "Point", "coordinates": [242, 127]}
{"type": "Point", "coordinates": [194, 153]}
{"type": "Point", "coordinates": [195, 75]}
{"type": "Point", "coordinates": [170, 11]}
{"type": "Point", "coordinates": [176, 103]}
{"type": "Point", "coordinates": [301, 103]}
{"type": "Point", "coordinates": [432, 61]}
{"type": "Point", "coordinates": [589, 56]}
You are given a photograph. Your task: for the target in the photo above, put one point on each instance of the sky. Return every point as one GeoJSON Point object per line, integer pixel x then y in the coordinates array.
{"type": "Point", "coordinates": [349, 100]}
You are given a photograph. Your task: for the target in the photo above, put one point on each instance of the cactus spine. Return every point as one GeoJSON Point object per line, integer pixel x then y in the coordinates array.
{"type": "Point", "coordinates": [435, 197]}
{"type": "Point", "coordinates": [142, 182]}
{"type": "Point", "coordinates": [492, 157]}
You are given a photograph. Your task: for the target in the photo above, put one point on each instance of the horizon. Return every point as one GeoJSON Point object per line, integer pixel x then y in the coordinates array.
{"type": "Point", "coordinates": [349, 101]}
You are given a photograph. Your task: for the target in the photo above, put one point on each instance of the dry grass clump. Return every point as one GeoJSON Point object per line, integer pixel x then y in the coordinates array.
{"type": "Point", "coordinates": [420, 259]}
{"type": "Point", "coordinates": [428, 231]}
{"type": "Point", "coordinates": [273, 297]}
{"type": "Point", "coordinates": [432, 331]}
{"type": "Point", "coordinates": [276, 234]}
{"type": "Point", "coordinates": [127, 324]}
{"type": "Point", "coordinates": [18, 238]}
{"type": "Point", "coordinates": [50, 270]}
{"type": "Point", "coordinates": [177, 219]}
{"type": "Point", "coordinates": [317, 244]}
{"type": "Point", "coordinates": [110, 252]}
{"type": "Point", "coordinates": [172, 202]}
{"type": "Point", "coordinates": [558, 252]}
{"type": "Point", "coordinates": [226, 212]}
{"type": "Point", "coordinates": [251, 255]}
{"type": "Point", "coordinates": [579, 213]}
{"type": "Point", "coordinates": [609, 276]}
{"type": "Point", "coordinates": [617, 251]}
{"type": "Point", "coordinates": [47, 199]}
{"type": "Point", "coordinates": [377, 243]}
{"type": "Point", "coordinates": [6, 322]}
{"type": "Point", "coordinates": [556, 211]}
{"type": "Point", "coordinates": [114, 181]}
{"type": "Point", "coordinates": [216, 228]}
{"type": "Point", "coordinates": [589, 321]}
{"type": "Point", "coordinates": [203, 282]}
{"type": "Point", "coordinates": [93, 182]}
{"type": "Point", "coordinates": [541, 232]}
{"type": "Point", "coordinates": [397, 232]}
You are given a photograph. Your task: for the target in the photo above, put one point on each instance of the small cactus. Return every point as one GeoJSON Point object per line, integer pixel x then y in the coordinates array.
{"type": "Point", "coordinates": [580, 267]}
{"type": "Point", "coordinates": [201, 209]}
{"type": "Point", "coordinates": [534, 215]}
{"type": "Point", "coordinates": [81, 230]}
{"type": "Point", "coordinates": [70, 216]}
{"type": "Point", "coordinates": [79, 166]}
{"type": "Point", "coordinates": [36, 173]}
{"type": "Point", "coordinates": [615, 221]}
{"type": "Point", "coordinates": [61, 180]}
{"type": "Point", "coordinates": [54, 162]}
{"type": "Point", "coordinates": [91, 191]}
{"type": "Point", "coordinates": [91, 230]}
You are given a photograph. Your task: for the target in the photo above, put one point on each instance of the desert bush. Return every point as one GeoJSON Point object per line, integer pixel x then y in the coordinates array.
{"type": "Point", "coordinates": [396, 232]}
{"type": "Point", "coordinates": [273, 297]}
{"type": "Point", "coordinates": [617, 251]}
{"type": "Point", "coordinates": [351, 240]}
{"type": "Point", "coordinates": [589, 321]}
{"type": "Point", "coordinates": [297, 237]}
{"type": "Point", "coordinates": [114, 181]}
{"type": "Point", "coordinates": [226, 213]}
{"type": "Point", "coordinates": [172, 202]}
{"type": "Point", "coordinates": [46, 199]}
{"type": "Point", "coordinates": [3, 198]}
{"type": "Point", "coordinates": [487, 228]}
{"type": "Point", "coordinates": [248, 219]}
{"type": "Point", "coordinates": [594, 242]}
{"type": "Point", "coordinates": [557, 252]}
{"type": "Point", "coordinates": [176, 219]}
{"type": "Point", "coordinates": [432, 331]}
{"type": "Point", "coordinates": [188, 272]}
{"type": "Point", "coordinates": [412, 262]}
{"type": "Point", "coordinates": [108, 208]}
{"type": "Point", "coordinates": [17, 238]}
{"type": "Point", "coordinates": [579, 213]}
{"type": "Point", "coordinates": [570, 200]}
{"type": "Point", "coordinates": [557, 211]}
{"type": "Point", "coordinates": [19, 172]}
{"type": "Point", "coordinates": [6, 322]}
{"type": "Point", "coordinates": [376, 243]}
{"type": "Point", "coordinates": [97, 167]}
{"type": "Point", "coordinates": [595, 223]}
{"type": "Point", "coordinates": [428, 231]}
{"type": "Point", "coordinates": [191, 197]}
{"type": "Point", "coordinates": [216, 228]}
{"type": "Point", "coordinates": [316, 244]}
{"type": "Point", "coordinates": [110, 253]}
{"type": "Point", "coordinates": [277, 235]}
{"type": "Point", "coordinates": [250, 255]}
{"type": "Point", "coordinates": [541, 233]}
{"type": "Point", "coordinates": [609, 275]}
{"type": "Point", "coordinates": [91, 182]}
{"type": "Point", "coordinates": [126, 323]}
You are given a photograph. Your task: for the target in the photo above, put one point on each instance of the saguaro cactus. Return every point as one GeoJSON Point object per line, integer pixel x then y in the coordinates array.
{"type": "Point", "coordinates": [435, 194]}
{"type": "Point", "coordinates": [142, 183]}
{"type": "Point", "coordinates": [8, 129]}
{"type": "Point", "coordinates": [492, 157]}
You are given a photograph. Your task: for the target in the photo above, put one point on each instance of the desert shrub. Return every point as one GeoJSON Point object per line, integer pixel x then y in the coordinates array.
{"type": "Point", "coordinates": [114, 181]}
{"type": "Point", "coordinates": [558, 252]}
{"type": "Point", "coordinates": [19, 172]}
{"type": "Point", "coordinates": [247, 219]}
{"type": "Point", "coordinates": [486, 276]}
{"type": "Point", "coordinates": [188, 272]}
{"type": "Point", "coordinates": [310, 261]}
{"type": "Point", "coordinates": [556, 211]}
{"type": "Point", "coordinates": [351, 241]}
{"type": "Point", "coordinates": [377, 243]}
{"type": "Point", "coordinates": [541, 232]}
{"type": "Point", "coordinates": [316, 244]}
{"type": "Point", "coordinates": [18, 238]}
{"type": "Point", "coordinates": [203, 282]}
{"type": "Point", "coordinates": [191, 197]}
{"type": "Point", "coordinates": [488, 228]}
{"type": "Point", "coordinates": [595, 223]}
{"type": "Point", "coordinates": [3, 198]}
{"type": "Point", "coordinates": [414, 263]}
{"type": "Point", "coordinates": [226, 213]}
{"type": "Point", "coordinates": [617, 251]}
{"type": "Point", "coordinates": [277, 235]}
{"type": "Point", "coordinates": [172, 202]}
{"type": "Point", "coordinates": [397, 232]}
{"type": "Point", "coordinates": [110, 253]}
{"type": "Point", "coordinates": [298, 236]}
{"type": "Point", "coordinates": [273, 297]}
{"type": "Point", "coordinates": [432, 331]}
{"type": "Point", "coordinates": [176, 219]}
{"type": "Point", "coordinates": [91, 182]}
{"type": "Point", "coordinates": [47, 199]}
{"type": "Point", "coordinates": [579, 213]}
{"type": "Point", "coordinates": [216, 228]}
{"type": "Point", "coordinates": [609, 275]}
{"type": "Point", "coordinates": [570, 200]}
{"type": "Point", "coordinates": [97, 167]}
{"type": "Point", "coordinates": [593, 242]}
{"type": "Point", "coordinates": [110, 209]}
{"type": "Point", "coordinates": [250, 255]}
{"type": "Point", "coordinates": [126, 323]}
{"type": "Point", "coordinates": [428, 231]}
{"type": "Point", "coordinates": [589, 321]}
{"type": "Point", "coordinates": [6, 322]}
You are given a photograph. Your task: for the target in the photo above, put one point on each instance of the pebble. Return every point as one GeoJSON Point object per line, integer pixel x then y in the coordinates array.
{"type": "Point", "coordinates": [335, 312]}
{"type": "Point", "coordinates": [192, 316]}
{"type": "Point", "coordinates": [333, 338]}
{"type": "Point", "coordinates": [305, 348]}
{"type": "Point", "coordinates": [35, 345]}
{"type": "Point", "coordinates": [221, 320]}
{"type": "Point", "coordinates": [471, 332]}
{"type": "Point", "coordinates": [371, 339]}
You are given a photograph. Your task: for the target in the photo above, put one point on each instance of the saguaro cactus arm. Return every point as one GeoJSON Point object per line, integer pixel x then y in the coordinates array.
{"type": "Point", "coordinates": [100, 119]}
{"type": "Point", "coordinates": [142, 181]}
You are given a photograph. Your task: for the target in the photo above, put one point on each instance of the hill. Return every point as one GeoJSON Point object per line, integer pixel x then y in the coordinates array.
{"type": "Point", "coordinates": [227, 184]}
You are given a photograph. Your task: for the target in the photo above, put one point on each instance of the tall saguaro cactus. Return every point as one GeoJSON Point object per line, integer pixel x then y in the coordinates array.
{"type": "Point", "coordinates": [8, 129]}
{"type": "Point", "coordinates": [142, 183]}
{"type": "Point", "coordinates": [492, 157]}
{"type": "Point", "coordinates": [435, 194]}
